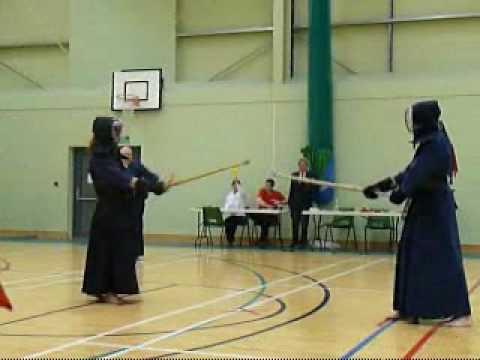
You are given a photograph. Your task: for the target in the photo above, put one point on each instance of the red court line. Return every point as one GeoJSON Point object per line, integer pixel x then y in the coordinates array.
{"type": "Point", "coordinates": [427, 336]}
{"type": "Point", "coordinates": [423, 340]}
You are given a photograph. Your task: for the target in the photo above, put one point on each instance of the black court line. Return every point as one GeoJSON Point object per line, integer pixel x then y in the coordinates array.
{"type": "Point", "coordinates": [277, 312]}
{"type": "Point", "coordinates": [257, 295]}
{"type": "Point", "coordinates": [323, 303]}
{"type": "Point", "coordinates": [262, 331]}
{"type": "Point", "coordinates": [282, 308]}
{"type": "Point", "coordinates": [73, 307]}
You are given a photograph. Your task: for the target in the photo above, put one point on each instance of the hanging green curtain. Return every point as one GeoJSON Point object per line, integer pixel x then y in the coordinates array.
{"type": "Point", "coordinates": [320, 97]}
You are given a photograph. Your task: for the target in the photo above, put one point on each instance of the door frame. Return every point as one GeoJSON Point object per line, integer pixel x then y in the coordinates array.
{"type": "Point", "coordinates": [72, 190]}
{"type": "Point", "coordinates": [73, 194]}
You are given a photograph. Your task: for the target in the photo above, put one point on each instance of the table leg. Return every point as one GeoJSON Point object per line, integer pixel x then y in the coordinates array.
{"type": "Point", "coordinates": [198, 225]}
{"type": "Point", "coordinates": [279, 222]}
{"type": "Point", "coordinates": [198, 231]}
{"type": "Point", "coordinates": [318, 232]}
{"type": "Point", "coordinates": [323, 245]}
{"type": "Point", "coordinates": [201, 234]}
{"type": "Point", "coordinates": [312, 242]}
{"type": "Point", "coordinates": [397, 224]}
{"type": "Point", "coordinates": [315, 233]}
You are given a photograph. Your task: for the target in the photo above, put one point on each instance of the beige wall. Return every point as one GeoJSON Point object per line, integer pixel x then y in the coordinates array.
{"type": "Point", "coordinates": [206, 124]}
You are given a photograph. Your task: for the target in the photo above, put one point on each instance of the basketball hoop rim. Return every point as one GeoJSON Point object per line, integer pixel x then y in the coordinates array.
{"type": "Point", "coordinates": [133, 101]}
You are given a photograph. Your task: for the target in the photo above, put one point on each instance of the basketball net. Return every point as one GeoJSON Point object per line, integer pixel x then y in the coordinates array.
{"type": "Point", "coordinates": [131, 104]}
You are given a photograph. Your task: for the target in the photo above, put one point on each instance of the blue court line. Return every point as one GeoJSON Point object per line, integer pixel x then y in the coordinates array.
{"type": "Point", "coordinates": [368, 339]}
{"type": "Point", "coordinates": [107, 354]}
{"type": "Point", "coordinates": [260, 278]}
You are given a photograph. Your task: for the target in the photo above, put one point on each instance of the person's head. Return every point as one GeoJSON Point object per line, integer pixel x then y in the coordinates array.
{"type": "Point", "coordinates": [126, 154]}
{"type": "Point", "coordinates": [236, 185]}
{"type": "Point", "coordinates": [106, 131]}
{"type": "Point", "coordinates": [302, 165]}
{"type": "Point", "coordinates": [422, 119]}
{"type": "Point", "coordinates": [269, 184]}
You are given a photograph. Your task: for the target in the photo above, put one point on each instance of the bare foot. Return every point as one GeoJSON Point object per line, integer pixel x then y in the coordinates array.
{"type": "Point", "coordinates": [121, 300]}
{"type": "Point", "coordinates": [101, 298]}
{"type": "Point", "coordinates": [126, 301]}
{"type": "Point", "coordinates": [395, 316]}
{"type": "Point", "coordinates": [413, 320]}
{"type": "Point", "coordinates": [464, 321]}
{"type": "Point", "coordinates": [114, 299]}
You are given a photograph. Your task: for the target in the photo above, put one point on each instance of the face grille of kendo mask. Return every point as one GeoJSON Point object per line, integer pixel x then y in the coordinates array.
{"type": "Point", "coordinates": [409, 119]}
{"type": "Point", "coordinates": [116, 130]}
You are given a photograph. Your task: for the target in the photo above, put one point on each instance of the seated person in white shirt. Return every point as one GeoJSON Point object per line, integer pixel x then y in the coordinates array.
{"type": "Point", "coordinates": [235, 200]}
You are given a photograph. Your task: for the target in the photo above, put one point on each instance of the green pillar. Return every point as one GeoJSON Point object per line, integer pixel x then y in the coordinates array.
{"type": "Point", "coordinates": [320, 97]}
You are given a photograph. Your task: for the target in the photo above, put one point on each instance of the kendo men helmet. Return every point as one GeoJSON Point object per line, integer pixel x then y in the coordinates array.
{"type": "Point", "coordinates": [422, 119]}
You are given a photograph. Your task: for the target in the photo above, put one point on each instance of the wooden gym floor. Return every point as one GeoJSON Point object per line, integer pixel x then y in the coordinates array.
{"type": "Point", "coordinates": [219, 303]}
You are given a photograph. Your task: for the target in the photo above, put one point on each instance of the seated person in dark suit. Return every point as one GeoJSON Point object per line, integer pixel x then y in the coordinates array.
{"type": "Point", "coordinates": [235, 200]}
{"type": "Point", "coordinates": [268, 198]}
{"type": "Point", "coordinates": [299, 199]}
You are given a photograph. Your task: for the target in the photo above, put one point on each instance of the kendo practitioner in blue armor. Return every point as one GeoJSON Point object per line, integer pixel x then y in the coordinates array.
{"type": "Point", "coordinates": [136, 169]}
{"type": "Point", "coordinates": [430, 280]}
{"type": "Point", "coordinates": [112, 250]}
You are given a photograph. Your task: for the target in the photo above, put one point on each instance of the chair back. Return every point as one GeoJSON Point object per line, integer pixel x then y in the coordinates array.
{"type": "Point", "coordinates": [212, 216]}
{"type": "Point", "coordinates": [343, 221]}
{"type": "Point", "coordinates": [379, 222]}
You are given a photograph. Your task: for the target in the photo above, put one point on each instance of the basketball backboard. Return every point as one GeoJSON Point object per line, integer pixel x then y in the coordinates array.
{"type": "Point", "coordinates": [137, 89]}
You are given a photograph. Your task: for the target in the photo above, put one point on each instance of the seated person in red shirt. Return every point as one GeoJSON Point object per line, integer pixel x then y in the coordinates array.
{"type": "Point", "coordinates": [268, 198]}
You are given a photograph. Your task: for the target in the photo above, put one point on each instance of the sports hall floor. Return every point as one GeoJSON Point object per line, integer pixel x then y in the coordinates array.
{"type": "Point", "coordinates": [229, 303]}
